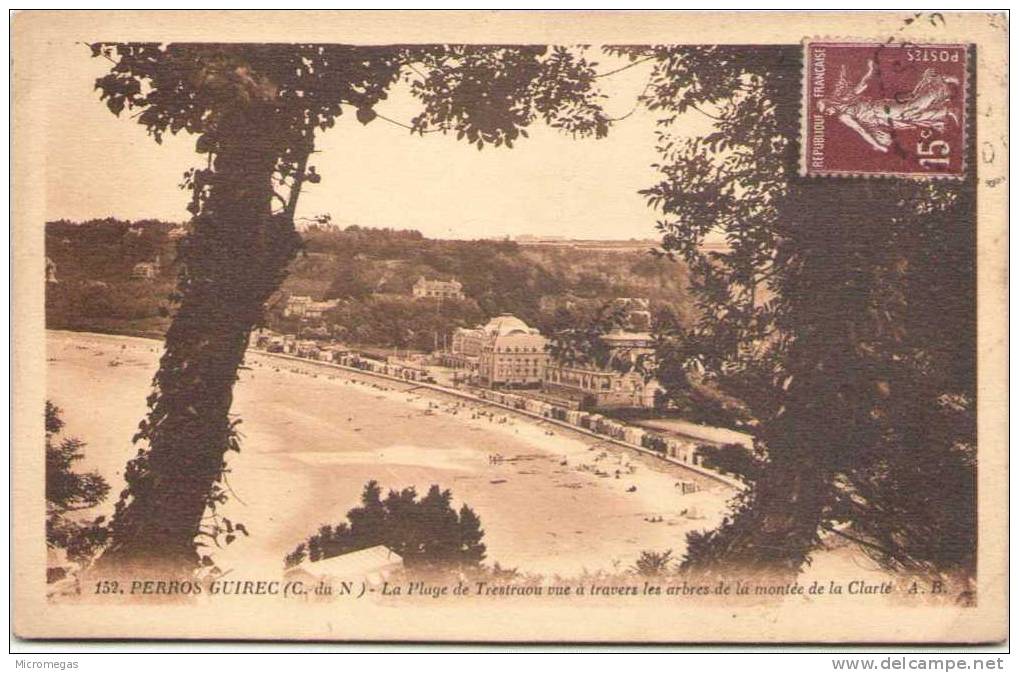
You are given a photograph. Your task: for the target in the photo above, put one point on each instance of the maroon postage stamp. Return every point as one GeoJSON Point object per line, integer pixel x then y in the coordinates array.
{"type": "Point", "coordinates": [884, 109]}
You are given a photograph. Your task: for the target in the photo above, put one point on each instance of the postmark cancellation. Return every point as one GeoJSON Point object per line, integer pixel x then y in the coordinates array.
{"type": "Point", "coordinates": [884, 109]}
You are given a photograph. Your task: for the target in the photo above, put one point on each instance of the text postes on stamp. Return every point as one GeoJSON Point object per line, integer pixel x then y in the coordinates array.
{"type": "Point", "coordinates": [884, 109]}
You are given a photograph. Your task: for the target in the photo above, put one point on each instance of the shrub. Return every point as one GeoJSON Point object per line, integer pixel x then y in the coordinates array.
{"type": "Point", "coordinates": [68, 491]}
{"type": "Point", "coordinates": [652, 563]}
{"type": "Point", "coordinates": [425, 532]}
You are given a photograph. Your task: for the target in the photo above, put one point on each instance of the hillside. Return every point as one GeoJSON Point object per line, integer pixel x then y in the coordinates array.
{"type": "Point", "coordinates": [371, 273]}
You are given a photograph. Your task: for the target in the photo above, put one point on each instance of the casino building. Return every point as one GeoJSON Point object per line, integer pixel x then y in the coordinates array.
{"type": "Point", "coordinates": [503, 353]}
{"type": "Point", "coordinates": [589, 387]}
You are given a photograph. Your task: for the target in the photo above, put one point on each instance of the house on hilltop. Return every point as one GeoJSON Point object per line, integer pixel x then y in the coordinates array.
{"type": "Point", "coordinates": [438, 289]}
{"type": "Point", "coordinates": [177, 233]}
{"type": "Point", "coordinates": [146, 270]}
{"type": "Point", "coordinates": [303, 307]}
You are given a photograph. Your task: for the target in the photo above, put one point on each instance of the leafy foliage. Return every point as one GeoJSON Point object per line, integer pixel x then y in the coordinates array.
{"type": "Point", "coordinates": [427, 532]}
{"type": "Point", "coordinates": [489, 95]}
{"type": "Point", "coordinates": [652, 563]}
{"type": "Point", "coordinates": [68, 491]}
{"type": "Point", "coordinates": [254, 110]}
{"type": "Point", "coordinates": [483, 94]}
{"type": "Point", "coordinates": [578, 339]}
{"type": "Point", "coordinates": [400, 322]}
{"type": "Point", "coordinates": [731, 459]}
{"type": "Point", "coordinates": [686, 388]}
{"type": "Point", "coordinates": [372, 271]}
{"type": "Point", "coordinates": [830, 313]}
{"type": "Point", "coordinates": [840, 312]}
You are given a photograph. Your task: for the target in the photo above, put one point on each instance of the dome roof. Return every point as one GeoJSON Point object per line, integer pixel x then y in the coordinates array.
{"type": "Point", "coordinates": [506, 324]}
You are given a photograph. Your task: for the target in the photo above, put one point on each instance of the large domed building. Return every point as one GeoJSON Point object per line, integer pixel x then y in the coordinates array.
{"type": "Point", "coordinates": [505, 352]}
{"type": "Point", "coordinates": [507, 325]}
{"type": "Point", "coordinates": [513, 354]}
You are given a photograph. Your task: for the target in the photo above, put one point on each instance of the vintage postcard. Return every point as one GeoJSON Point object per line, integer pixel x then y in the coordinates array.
{"type": "Point", "coordinates": [532, 327]}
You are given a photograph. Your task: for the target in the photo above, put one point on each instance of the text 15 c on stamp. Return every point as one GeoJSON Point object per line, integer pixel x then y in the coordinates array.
{"type": "Point", "coordinates": [884, 109]}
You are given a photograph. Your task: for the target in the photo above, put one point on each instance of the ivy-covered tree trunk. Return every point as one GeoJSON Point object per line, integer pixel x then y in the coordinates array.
{"type": "Point", "coordinates": [231, 262]}
{"type": "Point", "coordinates": [254, 107]}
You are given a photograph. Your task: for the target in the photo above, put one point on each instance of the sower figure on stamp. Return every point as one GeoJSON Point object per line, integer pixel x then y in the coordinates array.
{"type": "Point", "coordinates": [928, 106]}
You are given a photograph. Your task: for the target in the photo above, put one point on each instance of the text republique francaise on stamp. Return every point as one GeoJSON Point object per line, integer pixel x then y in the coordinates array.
{"type": "Point", "coordinates": [884, 109]}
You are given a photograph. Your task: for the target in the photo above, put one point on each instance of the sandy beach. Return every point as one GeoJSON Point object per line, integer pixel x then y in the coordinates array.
{"type": "Point", "coordinates": [312, 435]}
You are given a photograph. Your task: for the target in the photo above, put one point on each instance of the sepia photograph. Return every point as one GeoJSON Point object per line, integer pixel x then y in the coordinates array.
{"type": "Point", "coordinates": [510, 327]}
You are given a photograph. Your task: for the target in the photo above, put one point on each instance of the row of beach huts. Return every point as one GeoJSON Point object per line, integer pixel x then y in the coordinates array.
{"type": "Point", "coordinates": [685, 450]}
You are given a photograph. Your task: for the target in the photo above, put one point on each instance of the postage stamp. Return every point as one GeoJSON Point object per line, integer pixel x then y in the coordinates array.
{"type": "Point", "coordinates": [884, 109]}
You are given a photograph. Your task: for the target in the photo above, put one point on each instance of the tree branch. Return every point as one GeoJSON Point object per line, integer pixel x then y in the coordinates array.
{"type": "Point", "coordinates": [627, 66]}
{"type": "Point", "coordinates": [302, 166]}
{"type": "Point", "coordinates": [851, 538]}
{"type": "Point", "coordinates": [694, 106]}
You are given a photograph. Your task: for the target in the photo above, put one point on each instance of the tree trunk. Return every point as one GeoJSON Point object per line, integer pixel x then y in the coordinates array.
{"type": "Point", "coordinates": [777, 523]}
{"type": "Point", "coordinates": [231, 263]}
{"type": "Point", "coordinates": [821, 418]}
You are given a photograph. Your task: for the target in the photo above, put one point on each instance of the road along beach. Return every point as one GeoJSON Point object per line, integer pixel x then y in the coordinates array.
{"type": "Point", "coordinates": [551, 500]}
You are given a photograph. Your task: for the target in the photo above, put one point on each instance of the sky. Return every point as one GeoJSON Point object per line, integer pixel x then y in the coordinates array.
{"type": "Point", "coordinates": [377, 175]}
